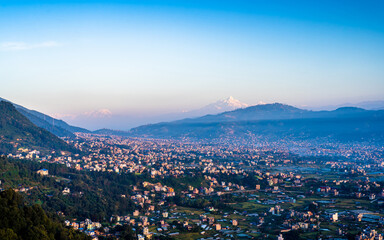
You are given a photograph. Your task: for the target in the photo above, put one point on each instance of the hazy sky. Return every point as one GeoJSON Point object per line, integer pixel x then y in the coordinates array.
{"type": "Point", "coordinates": [144, 57]}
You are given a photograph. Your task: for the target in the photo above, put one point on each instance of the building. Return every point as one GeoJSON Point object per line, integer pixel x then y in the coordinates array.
{"type": "Point", "coordinates": [218, 227]}
{"type": "Point", "coordinates": [66, 191]}
{"type": "Point", "coordinates": [334, 217]}
{"type": "Point", "coordinates": [43, 172]}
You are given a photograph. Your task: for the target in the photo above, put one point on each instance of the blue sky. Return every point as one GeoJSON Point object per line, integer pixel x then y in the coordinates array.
{"type": "Point", "coordinates": [154, 57]}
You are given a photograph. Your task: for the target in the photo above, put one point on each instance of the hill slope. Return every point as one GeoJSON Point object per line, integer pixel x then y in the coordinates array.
{"type": "Point", "coordinates": [55, 126]}
{"type": "Point", "coordinates": [17, 131]}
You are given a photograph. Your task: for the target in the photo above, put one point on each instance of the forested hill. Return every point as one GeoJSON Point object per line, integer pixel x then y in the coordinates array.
{"type": "Point", "coordinates": [17, 131]}
{"type": "Point", "coordinates": [94, 195]}
{"type": "Point", "coordinates": [53, 125]}
{"type": "Point", "coordinates": [19, 221]}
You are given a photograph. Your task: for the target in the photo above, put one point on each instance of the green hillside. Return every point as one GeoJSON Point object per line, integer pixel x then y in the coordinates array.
{"type": "Point", "coordinates": [95, 195]}
{"type": "Point", "coordinates": [17, 131]}
{"type": "Point", "coordinates": [20, 221]}
{"type": "Point", "coordinates": [53, 125]}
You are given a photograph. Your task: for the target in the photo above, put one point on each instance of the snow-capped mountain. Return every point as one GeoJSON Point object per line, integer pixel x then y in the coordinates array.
{"type": "Point", "coordinates": [104, 118]}
{"type": "Point", "coordinates": [220, 106]}
{"type": "Point", "coordinates": [101, 113]}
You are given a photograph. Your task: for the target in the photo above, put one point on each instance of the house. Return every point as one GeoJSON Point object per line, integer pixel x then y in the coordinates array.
{"type": "Point", "coordinates": [43, 172]}
{"type": "Point", "coordinates": [218, 227]}
{"type": "Point", "coordinates": [66, 191]}
{"type": "Point", "coordinates": [140, 237]}
{"type": "Point", "coordinates": [334, 217]}
{"type": "Point", "coordinates": [234, 222]}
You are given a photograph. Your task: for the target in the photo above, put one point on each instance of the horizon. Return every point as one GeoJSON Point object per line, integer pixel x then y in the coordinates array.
{"type": "Point", "coordinates": [146, 59]}
{"type": "Point", "coordinates": [104, 119]}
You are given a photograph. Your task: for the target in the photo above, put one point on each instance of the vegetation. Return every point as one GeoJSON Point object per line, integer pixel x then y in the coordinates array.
{"type": "Point", "coordinates": [93, 195]}
{"type": "Point", "coordinates": [20, 221]}
{"type": "Point", "coordinates": [17, 131]}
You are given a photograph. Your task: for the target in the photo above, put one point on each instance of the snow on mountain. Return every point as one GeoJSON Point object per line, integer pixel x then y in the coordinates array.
{"type": "Point", "coordinates": [224, 105]}
{"type": "Point", "coordinates": [101, 113]}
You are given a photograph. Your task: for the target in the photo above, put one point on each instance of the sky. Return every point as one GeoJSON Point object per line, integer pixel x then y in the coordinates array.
{"type": "Point", "coordinates": [146, 58]}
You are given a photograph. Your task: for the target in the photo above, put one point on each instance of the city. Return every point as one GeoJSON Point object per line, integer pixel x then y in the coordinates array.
{"type": "Point", "coordinates": [235, 192]}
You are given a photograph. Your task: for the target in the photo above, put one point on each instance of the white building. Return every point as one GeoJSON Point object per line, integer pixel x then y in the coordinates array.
{"type": "Point", "coordinates": [43, 172]}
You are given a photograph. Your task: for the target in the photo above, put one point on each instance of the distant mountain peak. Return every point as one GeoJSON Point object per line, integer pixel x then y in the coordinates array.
{"type": "Point", "coordinates": [101, 113]}
{"type": "Point", "coordinates": [227, 104]}
{"type": "Point", "coordinates": [231, 102]}
{"type": "Point", "coordinates": [223, 105]}
{"type": "Point", "coordinates": [230, 98]}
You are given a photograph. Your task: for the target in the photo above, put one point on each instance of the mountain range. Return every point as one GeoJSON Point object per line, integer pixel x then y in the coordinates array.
{"type": "Point", "coordinates": [16, 131]}
{"type": "Point", "coordinates": [104, 118]}
{"type": "Point", "coordinates": [280, 111]}
{"type": "Point", "coordinates": [53, 125]}
{"type": "Point", "coordinates": [264, 120]}
{"type": "Point", "coordinates": [273, 121]}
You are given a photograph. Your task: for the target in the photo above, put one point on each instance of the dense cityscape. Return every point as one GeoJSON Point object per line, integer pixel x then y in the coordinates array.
{"type": "Point", "coordinates": [236, 192]}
